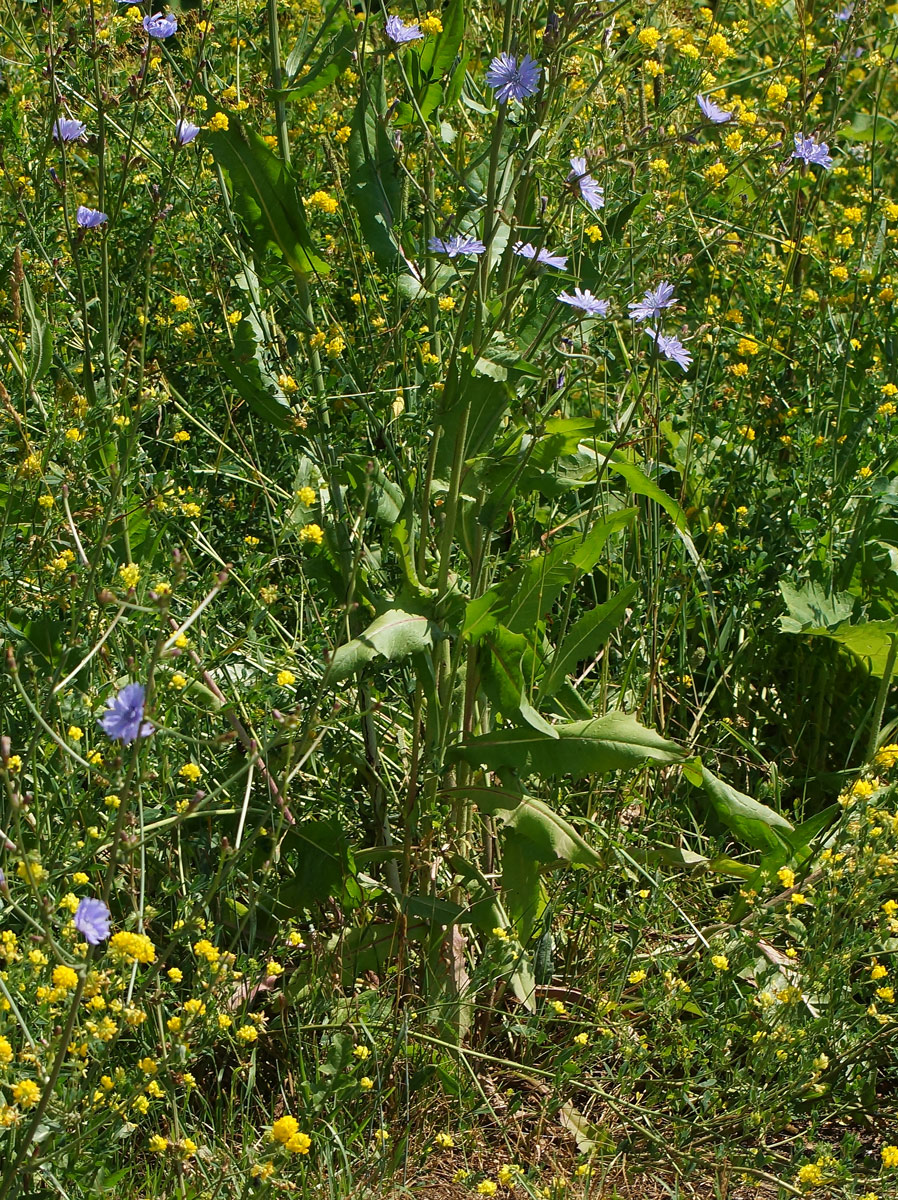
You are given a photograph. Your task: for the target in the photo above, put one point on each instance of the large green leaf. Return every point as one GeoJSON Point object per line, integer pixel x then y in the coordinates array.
{"type": "Point", "coordinates": [439, 53]}
{"type": "Point", "coordinates": [585, 637]}
{"type": "Point", "coordinates": [502, 675]}
{"type": "Point", "coordinates": [264, 194]}
{"type": "Point", "coordinates": [375, 187]}
{"type": "Point", "coordinates": [323, 863]}
{"type": "Point", "coordinates": [613, 742]}
{"type": "Point", "coordinates": [245, 369]}
{"type": "Point", "coordinates": [487, 401]}
{"type": "Point", "coordinates": [334, 43]}
{"type": "Point", "coordinates": [522, 886]}
{"type": "Point", "coordinates": [581, 436]}
{"type": "Point", "coordinates": [41, 336]}
{"type": "Point", "coordinates": [523, 598]}
{"type": "Point", "coordinates": [393, 636]}
{"type": "Point", "coordinates": [813, 613]}
{"type": "Point", "coordinates": [752, 822]}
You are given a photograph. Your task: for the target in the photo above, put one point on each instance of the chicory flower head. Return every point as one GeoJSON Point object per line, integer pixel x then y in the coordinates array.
{"type": "Point", "coordinates": [92, 920]}
{"type": "Point", "coordinates": [66, 129]}
{"type": "Point", "coordinates": [400, 33]}
{"type": "Point", "coordinates": [653, 302]}
{"type": "Point", "coordinates": [123, 719]}
{"type": "Point", "coordinates": [90, 218]}
{"type": "Point", "coordinates": [714, 113]}
{"type": "Point", "coordinates": [543, 257]}
{"type": "Point", "coordinates": [671, 348]}
{"type": "Point", "coordinates": [809, 150]}
{"type": "Point", "coordinates": [456, 245]}
{"type": "Point", "coordinates": [185, 132]}
{"type": "Point", "coordinates": [159, 26]}
{"type": "Point", "coordinates": [590, 191]}
{"type": "Point", "coordinates": [511, 80]}
{"type": "Point", "coordinates": [589, 304]}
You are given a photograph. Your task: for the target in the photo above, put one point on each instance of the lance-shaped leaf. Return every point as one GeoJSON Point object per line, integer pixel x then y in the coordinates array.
{"type": "Point", "coordinates": [393, 636]}
{"type": "Point", "coordinates": [752, 822]}
{"type": "Point", "coordinates": [500, 658]}
{"type": "Point", "coordinates": [253, 382]}
{"type": "Point", "coordinates": [585, 637]}
{"type": "Point", "coordinates": [583, 748]}
{"type": "Point", "coordinates": [264, 194]}
{"type": "Point", "coordinates": [374, 182]}
{"type": "Point", "coordinates": [324, 58]}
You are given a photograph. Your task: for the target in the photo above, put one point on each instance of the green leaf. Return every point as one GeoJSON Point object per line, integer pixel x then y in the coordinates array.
{"type": "Point", "coordinates": [439, 53]}
{"type": "Point", "coordinates": [610, 743]}
{"type": "Point", "coordinates": [522, 886]}
{"type": "Point", "coordinates": [374, 183]}
{"type": "Point", "coordinates": [323, 863]}
{"type": "Point", "coordinates": [41, 339]}
{"type": "Point", "coordinates": [813, 613]}
{"type": "Point", "coordinates": [585, 637]}
{"type": "Point", "coordinates": [553, 838]}
{"type": "Point", "coordinates": [488, 400]}
{"type": "Point", "coordinates": [393, 636]}
{"type": "Point", "coordinates": [337, 37]}
{"type": "Point", "coordinates": [525, 596]}
{"type": "Point", "coordinates": [264, 193]}
{"type": "Point", "coordinates": [751, 822]}
{"type": "Point", "coordinates": [245, 369]}
{"type": "Point", "coordinates": [500, 657]}
{"type": "Point", "coordinates": [618, 462]}
{"type": "Point", "coordinates": [809, 606]}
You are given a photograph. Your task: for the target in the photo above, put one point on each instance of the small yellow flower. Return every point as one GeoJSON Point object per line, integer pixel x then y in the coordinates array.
{"type": "Point", "coordinates": [248, 1034]}
{"type": "Point", "coordinates": [218, 123]}
{"type": "Point", "coordinates": [284, 1129]}
{"type": "Point", "coordinates": [786, 876]}
{"type": "Point", "coordinates": [312, 533]}
{"type": "Point", "coordinates": [285, 678]}
{"type": "Point", "coordinates": [720, 962]}
{"type": "Point", "coordinates": [65, 978]}
{"type": "Point", "coordinates": [299, 1143]}
{"type": "Point", "coordinates": [366, 1084]}
{"type": "Point", "coordinates": [181, 437]}
{"type": "Point", "coordinates": [322, 202]}
{"type": "Point", "coordinates": [129, 573]}
{"type": "Point", "coordinates": [26, 1093]}
{"type": "Point", "coordinates": [444, 1141]}
{"type": "Point", "coordinates": [190, 771]}
{"type": "Point", "coordinates": [307, 496]}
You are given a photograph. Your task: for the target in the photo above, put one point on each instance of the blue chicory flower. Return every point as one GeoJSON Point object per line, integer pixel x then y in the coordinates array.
{"type": "Point", "coordinates": [185, 132]}
{"type": "Point", "coordinates": [123, 719]}
{"type": "Point", "coordinates": [90, 218]}
{"type": "Point", "coordinates": [671, 348]}
{"type": "Point", "coordinates": [511, 80]}
{"type": "Point", "coordinates": [456, 245]}
{"type": "Point", "coordinates": [809, 150]}
{"type": "Point", "coordinates": [66, 129]}
{"type": "Point", "coordinates": [159, 26]}
{"type": "Point", "coordinates": [543, 257]}
{"type": "Point", "coordinates": [590, 191]}
{"type": "Point", "coordinates": [92, 920]}
{"type": "Point", "coordinates": [653, 302]}
{"type": "Point", "coordinates": [845, 14]}
{"type": "Point", "coordinates": [400, 33]}
{"type": "Point", "coordinates": [714, 113]}
{"type": "Point", "coordinates": [586, 302]}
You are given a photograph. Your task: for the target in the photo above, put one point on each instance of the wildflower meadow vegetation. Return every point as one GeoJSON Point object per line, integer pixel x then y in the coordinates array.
{"type": "Point", "coordinates": [448, 599]}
